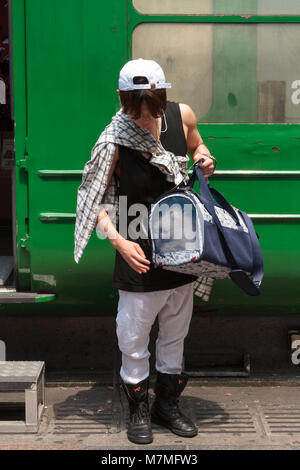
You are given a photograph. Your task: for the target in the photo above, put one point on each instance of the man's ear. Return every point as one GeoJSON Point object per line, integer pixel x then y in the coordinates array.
{"type": "Point", "coordinates": [118, 91]}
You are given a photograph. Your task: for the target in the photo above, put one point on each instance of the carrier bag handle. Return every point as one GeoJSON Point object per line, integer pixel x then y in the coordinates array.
{"type": "Point", "coordinates": [223, 203]}
{"type": "Point", "coordinates": [216, 195]}
{"type": "Point", "coordinates": [258, 265]}
{"type": "Point", "coordinates": [239, 276]}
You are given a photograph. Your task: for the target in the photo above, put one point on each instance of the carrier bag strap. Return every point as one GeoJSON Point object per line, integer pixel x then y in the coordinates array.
{"type": "Point", "coordinates": [217, 196]}
{"type": "Point", "coordinates": [258, 264]}
{"type": "Point", "coordinates": [257, 256]}
{"type": "Point", "coordinates": [238, 275]}
{"type": "Point", "coordinates": [222, 201]}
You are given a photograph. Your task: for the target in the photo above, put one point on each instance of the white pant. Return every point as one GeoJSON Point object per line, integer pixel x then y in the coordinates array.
{"type": "Point", "coordinates": [136, 314]}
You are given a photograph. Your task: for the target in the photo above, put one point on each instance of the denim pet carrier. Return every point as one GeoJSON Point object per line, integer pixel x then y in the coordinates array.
{"type": "Point", "coordinates": [202, 234]}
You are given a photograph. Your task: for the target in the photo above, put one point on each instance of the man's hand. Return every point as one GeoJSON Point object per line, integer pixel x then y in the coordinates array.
{"type": "Point", "coordinates": [207, 167]}
{"type": "Point", "coordinates": [130, 251]}
{"type": "Point", "coordinates": [133, 255]}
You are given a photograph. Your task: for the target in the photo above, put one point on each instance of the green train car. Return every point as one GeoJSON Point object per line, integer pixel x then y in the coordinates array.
{"type": "Point", "coordinates": [236, 63]}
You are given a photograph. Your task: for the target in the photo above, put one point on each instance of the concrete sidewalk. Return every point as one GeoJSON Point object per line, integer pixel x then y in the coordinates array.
{"type": "Point", "coordinates": [230, 414]}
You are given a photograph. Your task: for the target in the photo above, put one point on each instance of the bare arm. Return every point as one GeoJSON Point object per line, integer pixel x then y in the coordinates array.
{"type": "Point", "coordinates": [130, 251]}
{"type": "Point", "coordinates": [195, 145]}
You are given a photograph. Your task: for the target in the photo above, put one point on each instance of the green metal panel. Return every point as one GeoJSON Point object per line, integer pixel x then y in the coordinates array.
{"type": "Point", "coordinates": [68, 54]}
{"type": "Point", "coordinates": [75, 48]}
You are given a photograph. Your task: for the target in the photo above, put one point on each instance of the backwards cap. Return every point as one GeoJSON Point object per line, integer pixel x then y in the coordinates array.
{"type": "Point", "coordinates": [149, 70]}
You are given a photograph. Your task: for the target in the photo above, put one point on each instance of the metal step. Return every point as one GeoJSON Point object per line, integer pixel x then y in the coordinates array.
{"type": "Point", "coordinates": [27, 377]}
{"type": "Point", "coordinates": [8, 296]}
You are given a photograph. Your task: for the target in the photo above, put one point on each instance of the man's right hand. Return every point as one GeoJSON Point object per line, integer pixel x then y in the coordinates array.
{"type": "Point", "coordinates": [133, 255]}
{"type": "Point", "coordinates": [130, 251]}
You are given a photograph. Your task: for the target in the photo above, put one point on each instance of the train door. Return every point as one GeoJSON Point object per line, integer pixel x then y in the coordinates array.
{"type": "Point", "coordinates": [7, 226]}
{"type": "Point", "coordinates": [233, 62]}
{"type": "Point", "coordinates": [15, 285]}
{"type": "Point", "coordinates": [66, 59]}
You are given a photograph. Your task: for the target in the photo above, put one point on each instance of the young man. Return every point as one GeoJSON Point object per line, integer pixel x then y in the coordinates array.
{"type": "Point", "coordinates": [149, 143]}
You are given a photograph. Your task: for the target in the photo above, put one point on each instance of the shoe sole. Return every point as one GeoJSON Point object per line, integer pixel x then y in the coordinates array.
{"type": "Point", "coordinates": [173, 430]}
{"type": "Point", "coordinates": [139, 441]}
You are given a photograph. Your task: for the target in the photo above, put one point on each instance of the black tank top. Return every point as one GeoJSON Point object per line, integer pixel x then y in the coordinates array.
{"type": "Point", "coordinates": [143, 183]}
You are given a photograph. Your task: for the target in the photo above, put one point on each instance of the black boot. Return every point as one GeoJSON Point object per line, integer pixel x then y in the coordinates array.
{"type": "Point", "coordinates": [165, 410]}
{"type": "Point", "coordinates": [139, 428]}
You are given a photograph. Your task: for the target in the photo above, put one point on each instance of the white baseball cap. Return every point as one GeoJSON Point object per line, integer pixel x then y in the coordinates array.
{"type": "Point", "coordinates": [148, 69]}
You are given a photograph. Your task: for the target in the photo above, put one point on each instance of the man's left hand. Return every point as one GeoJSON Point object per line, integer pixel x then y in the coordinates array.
{"type": "Point", "coordinates": [207, 166]}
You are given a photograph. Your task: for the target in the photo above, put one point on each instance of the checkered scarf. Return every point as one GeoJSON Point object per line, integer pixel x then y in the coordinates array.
{"type": "Point", "coordinates": [95, 191]}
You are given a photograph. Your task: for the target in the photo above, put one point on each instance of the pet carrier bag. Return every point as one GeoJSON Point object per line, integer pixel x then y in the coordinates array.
{"type": "Point", "coordinates": [202, 234]}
